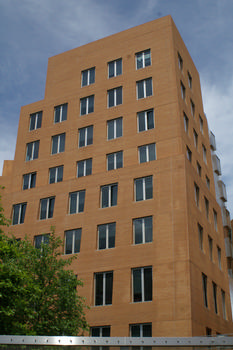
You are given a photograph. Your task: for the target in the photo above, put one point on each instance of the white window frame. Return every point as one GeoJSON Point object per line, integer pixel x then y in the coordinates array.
{"type": "Point", "coordinates": [115, 154]}
{"type": "Point", "coordinates": [85, 141]}
{"type": "Point", "coordinates": [143, 81]}
{"type": "Point", "coordinates": [142, 284]}
{"type": "Point", "coordinates": [147, 153]}
{"type": "Point", "coordinates": [115, 96]}
{"type": "Point", "coordinates": [109, 195]}
{"type": "Point", "coordinates": [146, 119]}
{"type": "Point", "coordinates": [32, 157]}
{"type": "Point", "coordinates": [86, 101]}
{"type": "Point", "coordinates": [104, 286]}
{"type": "Point", "coordinates": [141, 330]}
{"type": "Point", "coordinates": [77, 201]}
{"type": "Point", "coordinates": [56, 173]}
{"type": "Point", "coordinates": [47, 207]}
{"type": "Point", "coordinates": [43, 236]}
{"type": "Point", "coordinates": [143, 53]}
{"type": "Point", "coordinates": [29, 180]}
{"type": "Point", "coordinates": [60, 113]}
{"type": "Point", "coordinates": [84, 161]}
{"type": "Point", "coordinates": [107, 235]}
{"type": "Point", "coordinates": [88, 71]}
{"type": "Point", "coordinates": [114, 62]}
{"type": "Point", "coordinates": [37, 114]}
{"type": "Point", "coordinates": [143, 188]}
{"type": "Point", "coordinates": [143, 233]}
{"type": "Point", "coordinates": [73, 240]}
{"type": "Point", "coordinates": [58, 151]}
{"type": "Point", "coordinates": [114, 128]}
{"type": "Point", "coordinates": [20, 205]}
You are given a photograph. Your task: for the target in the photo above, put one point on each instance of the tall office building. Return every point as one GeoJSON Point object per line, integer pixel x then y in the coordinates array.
{"type": "Point", "coordinates": [117, 156]}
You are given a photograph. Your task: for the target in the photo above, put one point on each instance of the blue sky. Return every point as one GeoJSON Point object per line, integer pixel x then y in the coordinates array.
{"type": "Point", "coordinates": [31, 31]}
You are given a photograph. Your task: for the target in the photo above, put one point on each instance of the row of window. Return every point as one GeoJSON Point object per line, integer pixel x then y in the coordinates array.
{"type": "Point", "coordinates": [135, 330]}
{"type": "Point", "coordinates": [206, 206]}
{"type": "Point", "coordinates": [210, 246]}
{"type": "Point", "coordinates": [143, 190]}
{"type": "Point", "coordinates": [215, 298]}
{"type": "Point", "coordinates": [181, 65]}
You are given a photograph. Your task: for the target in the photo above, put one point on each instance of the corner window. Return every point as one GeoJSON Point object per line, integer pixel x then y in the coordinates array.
{"type": "Point", "coordinates": [145, 120]}
{"type": "Point", "coordinates": [200, 236]}
{"type": "Point", "coordinates": [201, 123]}
{"type": "Point", "coordinates": [144, 88]}
{"type": "Point", "coordinates": [106, 236]}
{"type": "Point", "coordinates": [103, 288]}
{"type": "Point", "coordinates": [210, 242]}
{"type": "Point", "coordinates": [143, 188]}
{"type": "Point", "coordinates": [215, 297]}
{"type": "Point", "coordinates": [143, 230]}
{"type": "Point", "coordinates": [143, 59]}
{"type": "Point", "coordinates": [198, 168]}
{"type": "Point", "coordinates": [29, 181]}
{"type": "Point", "coordinates": [192, 106]}
{"type": "Point", "coordinates": [115, 68]}
{"type": "Point", "coordinates": [114, 128]}
{"type": "Point", "coordinates": [219, 257]}
{"type": "Point", "coordinates": [204, 288]}
{"type": "Point", "coordinates": [60, 113]}
{"type": "Point", "coordinates": [32, 151]}
{"type": "Point", "coordinates": [206, 207]}
{"type": "Point", "coordinates": [58, 143]}
{"type": "Point", "coordinates": [224, 313]}
{"type": "Point", "coordinates": [86, 136]}
{"type": "Point", "coordinates": [73, 241]}
{"type": "Point", "coordinates": [76, 202]}
{"type": "Point", "coordinates": [189, 154]}
{"type": "Point", "coordinates": [35, 121]}
{"type": "Point", "coordinates": [47, 208]}
{"type": "Point", "coordinates": [186, 123]}
{"type": "Point", "coordinates": [190, 80]}
{"type": "Point", "coordinates": [195, 138]}
{"type": "Point", "coordinates": [88, 76]}
{"type": "Point", "coordinates": [196, 193]}
{"type": "Point", "coordinates": [215, 215]}
{"type": "Point", "coordinates": [84, 167]}
{"type": "Point", "coordinates": [142, 284]}
{"type": "Point", "coordinates": [19, 211]}
{"type": "Point", "coordinates": [180, 62]}
{"type": "Point", "coordinates": [56, 174]}
{"type": "Point", "coordinates": [115, 97]}
{"type": "Point", "coordinates": [183, 90]}
{"type": "Point", "coordinates": [115, 160]}
{"type": "Point", "coordinates": [109, 195]}
{"type": "Point", "coordinates": [147, 153]}
{"type": "Point", "coordinates": [87, 105]}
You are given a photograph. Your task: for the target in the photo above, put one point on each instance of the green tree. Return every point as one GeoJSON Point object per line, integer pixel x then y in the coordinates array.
{"type": "Point", "coordinates": [38, 292]}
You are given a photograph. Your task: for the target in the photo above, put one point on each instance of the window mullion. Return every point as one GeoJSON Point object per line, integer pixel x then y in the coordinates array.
{"type": "Point", "coordinates": [87, 105]}
{"type": "Point", "coordinates": [47, 209]}
{"type": "Point", "coordinates": [147, 153]}
{"type": "Point", "coordinates": [84, 167]}
{"type": "Point", "coordinates": [60, 114]}
{"type": "Point", "coordinates": [143, 231]}
{"type": "Point", "coordinates": [104, 288]}
{"type": "Point", "coordinates": [144, 188]}
{"type": "Point", "coordinates": [29, 181]}
{"type": "Point", "coordinates": [73, 237]}
{"type": "Point", "coordinates": [115, 93]}
{"type": "Point", "coordinates": [114, 128]}
{"type": "Point", "coordinates": [33, 147]}
{"type": "Point", "coordinates": [144, 88]}
{"type": "Point", "coordinates": [109, 196]}
{"type": "Point", "coordinates": [77, 202]}
{"type": "Point", "coordinates": [58, 143]}
{"type": "Point", "coordinates": [56, 171]}
{"type": "Point", "coordinates": [107, 240]}
{"type": "Point", "coordinates": [114, 160]}
{"type": "Point", "coordinates": [20, 208]}
{"type": "Point", "coordinates": [146, 120]}
{"type": "Point", "coordinates": [143, 59]}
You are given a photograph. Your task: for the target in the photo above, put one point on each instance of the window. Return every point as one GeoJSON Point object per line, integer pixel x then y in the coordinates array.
{"type": "Point", "coordinates": [32, 150]}
{"type": "Point", "coordinates": [56, 174]}
{"type": "Point", "coordinates": [204, 288]}
{"type": "Point", "coordinates": [215, 297]}
{"type": "Point", "coordinates": [77, 201]}
{"type": "Point", "coordinates": [115, 160]}
{"type": "Point", "coordinates": [144, 88]}
{"type": "Point", "coordinates": [192, 105]}
{"type": "Point", "coordinates": [142, 284]}
{"type": "Point", "coordinates": [115, 68]}
{"type": "Point", "coordinates": [143, 188]}
{"type": "Point", "coordinates": [86, 136]}
{"type": "Point", "coordinates": [208, 331]}
{"type": "Point", "coordinates": [207, 182]}
{"type": "Point", "coordinates": [143, 230]}
{"type": "Point", "coordinates": [195, 138]}
{"type": "Point", "coordinates": [189, 154]}
{"type": "Point", "coordinates": [219, 257]}
{"type": "Point", "coordinates": [143, 59]}
{"type": "Point", "coordinates": [186, 123]}
{"type": "Point", "coordinates": [223, 304]}
{"type": "Point", "coordinates": [201, 123]}
{"type": "Point", "coordinates": [35, 121]}
{"type": "Point", "coordinates": [60, 113]}
{"type": "Point", "coordinates": [103, 288]}
{"type": "Point", "coordinates": [29, 181]}
{"type": "Point", "coordinates": [147, 153]}
{"type": "Point", "coordinates": [204, 153]}
{"type": "Point", "coordinates": [196, 193]}
{"type": "Point", "coordinates": [41, 239]}
{"type": "Point", "coordinates": [58, 143]}
{"type": "Point", "coordinates": [84, 167]}
{"type": "Point", "coordinates": [146, 120]}
{"type": "Point", "coordinates": [115, 128]}
{"type": "Point", "coordinates": [141, 330]}
{"type": "Point", "coordinates": [87, 105]}
{"type": "Point", "coordinates": [190, 80]}
{"type": "Point", "coordinates": [109, 195]}
{"type": "Point", "coordinates": [200, 236]}
{"type": "Point", "coordinates": [19, 211]}
{"type": "Point", "coordinates": [73, 241]}
{"type": "Point", "coordinates": [106, 236]}
{"type": "Point", "coordinates": [210, 242]}
{"type": "Point", "coordinates": [88, 76]}
{"type": "Point", "coordinates": [182, 87]}
{"type": "Point", "coordinates": [46, 208]}
{"type": "Point", "coordinates": [115, 97]}
{"type": "Point", "coordinates": [215, 220]}
{"type": "Point", "coordinates": [206, 207]}
{"type": "Point", "coordinates": [100, 332]}
{"type": "Point", "coordinates": [180, 62]}
{"type": "Point", "coordinates": [198, 169]}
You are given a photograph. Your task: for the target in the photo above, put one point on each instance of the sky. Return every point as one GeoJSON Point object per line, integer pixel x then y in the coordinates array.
{"type": "Point", "coordinates": [31, 31]}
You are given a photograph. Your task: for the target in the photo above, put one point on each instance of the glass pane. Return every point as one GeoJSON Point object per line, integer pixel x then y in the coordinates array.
{"type": "Point", "coordinates": [148, 87]}
{"type": "Point", "coordinates": [135, 330]}
{"type": "Point", "coordinates": [142, 154]}
{"type": "Point", "coordinates": [111, 161]}
{"type": "Point", "coordinates": [62, 143]}
{"type": "Point", "coordinates": [46, 239]}
{"type": "Point", "coordinates": [139, 61]}
{"type": "Point", "coordinates": [38, 241]}
{"type": "Point", "coordinates": [83, 106]}
{"type": "Point", "coordinates": [119, 127]}
{"type": "Point", "coordinates": [137, 288]}
{"type": "Point", "coordinates": [33, 180]}
{"type": "Point", "coordinates": [29, 152]}
{"type": "Point", "coordinates": [77, 240]}
{"type": "Point", "coordinates": [111, 235]}
{"type": "Point", "coordinates": [150, 120]}
{"type": "Point", "coordinates": [84, 77]}
{"type": "Point", "coordinates": [32, 122]}
{"type": "Point", "coordinates": [88, 166]}
{"type": "Point", "coordinates": [110, 129]}
{"type": "Point", "coordinates": [69, 241]}
{"type": "Point", "coordinates": [23, 211]}
{"type": "Point", "coordinates": [15, 214]}
{"type": "Point", "coordinates": [52, 173]}
{"type": "Point", "coordinates": [111, 69]}
{"type": "Point", "coordinates": [82, 137]}
{"type": "Point", "coordinates": [73, 202]}
{"type": "Point", "coordinates": [64, 112]}
{"type": "Point", "coordinates": [51, 207]}
{"type": "Point", "coordinates": [99, 289]}
{"type": "Point", "coordinates": [108, 291]}
{"type": "Point", "coordinates": [110, 98]}
{"type": "Point", "coordinates": [90, 135]}
{"type": "Point", "coordinates": [151, 148]}
{"type": "Point", "coordinates": [119, 160]}
{"type": "Point", "coordinates": [43, 208]}
{"type": "Point", "coordinates": [106, 332]}
{"type": "Point", "coordinates": [104, 196]}
{"type": "Point", "coordinates": [139, 189]}
{"type": "Point", "coordinates": [137, 231]}
{"type": "Point", "coordinates": [147, 58]}
{"type": "Point", "coordinates": [119, 67]}
{"type": "Point", "coordinates": [141, 121]}
{"type": "Point", "coordinates": [102, 237]}
{"type": "Point", "coordinates": [140, 89]}
{"type": "Point", "coordinates": [54, 144]}
{"type": "Point", "coordinates": [39, 120]}
{"type": "Point", "coordinates": [80, 168]}
{"type": "Point", "coordinates": [113, 195]}
{"type": "Point", "coordinates": [57, 114]}
{"type": "Point", "coordinates": [147, 330]}
{"type": "Point", "coordinates": [148, 229]}
{"type": "Point", "coordinates": [149, 187]}
{"type": "Point", "coordinates": [148, 283]}
{"type": "Point", "coordinates": [59, 173]}
{"type": "Point", "coordinates": [26, 182]}
{"type": "Point", "coordinates": [95, 332]}
{"type": "Point", "coordinates": [92, 75]}
{"type": "Point", "coordinates": [91, 104]}
{"type": "Point", "coordinates": [119, 96]}
{"type": "Point", "coordinates": [36, 150]}
{"type": "Point", "coordinates": [81, 201]}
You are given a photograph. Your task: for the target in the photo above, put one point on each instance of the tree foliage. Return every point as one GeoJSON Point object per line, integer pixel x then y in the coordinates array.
{"type": "Point", "coordinates": [38, 292]}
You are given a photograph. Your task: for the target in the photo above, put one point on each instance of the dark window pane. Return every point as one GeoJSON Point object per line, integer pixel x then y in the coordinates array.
{"type": "Point", "coordinates": [139, 189]}
{"type": "Point", "coordinates": [77, 240]}
{"type": "Point", "coordinates": [32, 122]}
{"type": "Point", "coordinates": [119, 96]}
{"type": "Point", "coordinates": [99, 289]}
{"type": "Point", "coordinates": [59, 173]}
{"type": "Point", "coordinates": [88, 166]}
{"type": "Point", "coordinates": [113, 195]}
{"type": "Point", "coordinates": [147, 330]}
{"type": "Point", "coordinates": [109, 280]}
{"type": "Point", "coordinates": [62, 142]}
{"type": "Point", "coordinates": [91, 104]}
{"type": "Point", "coordinates": [90, 135]}
{"type": "Point", "coordinates": [39, 120]}
{"type": "Point", "coordinates": [147, 58]}
{"type": "Point", "coordinates": [150, 119]}
{"type": "Point", "coordinates": [141, 121]}
{"type": "Point", "coordinates": [83, 106]}
{"type": "Point", "coordinates": [119, 67]}
{"type": "Point", "coordinates": [82, 137]}
{"type": "Point", "coordinates": [142, 154]}
{"type": "Point", "coordinates": [148, 283]}
{"type": "Point", "coordinates": [52, 174]}
{"type": "Point", "coordinates": [110, 98]}
{"type": "Point", "coordinates": [84, 77]}
{"type": "Point", "coordinates": [106, 332]}
{"type": "Point", "coordinates": [148, 229]}
{"type": "Point", "coordinates": [64, 111]}
{"type": "Point", "coordinates": [16, 214]}
{"type": "Point", "coordinates": [152, 155]}
{"type": "Point", "coordinates": [119, 127]}
{"type": "Point", "coordinates": [105, 196]}
{"type": "Point", "coordinates": [69, 241]}
{"type": "Point", "coordinates": [139, 61]}
{"type": "Point", "coordinates": [92, 75]}
{"type": "Point", "coordinates": [33, 180]}
{"type": "Point", "coordinates": [135, 330]}
{"type": "Point", "coordinates": [140, 89]}
{"type": "Point", "coordinates": [149, 187]}
{"type": "Point", "coordinates": [148, 87]}
{"type": "Point", "coordinates": [95, 332]}
{"type": "Point", "coordinates": [29, 151]}
{"type": "Point", "coordinates": [81, 201]}
{"type": "Point", "coordinates": [26, 181]}
{"type": "Point", "coordinates": [102, 237]}
{"type": "Point", "coordinates": [57, 114]}
{"type": "Point", "coordinates": [111, 235]}
{"type": "Point", "coordinates": [43, 208]}
{"type": "Point", "coordinates": [38, 241]}
{"type": "Point", "coordinates": [111, 161]}
{"type": "Point", "coordinates": [138, 231]}
{"type": "Point", "coordinates": [119, 160]}
{"type": "Point", "coordinates": [137, 287]}
{"type": "Point", "coordinates": [55, 144]}
{"type": "Point", "coordinates": [73, 202]}
{"type": "Point", "coordinates": [111, 69]}
{"type": "Point", "coordinates": [51, 207]}
{"type": "Point", "coordinates": [36, 149]}
{"type": "Point", "coordinates": [23, 211]}
{"type": "Point", "coordinates": [81, 168]}
{"type": "Point", "coordinates": [110, 129]}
